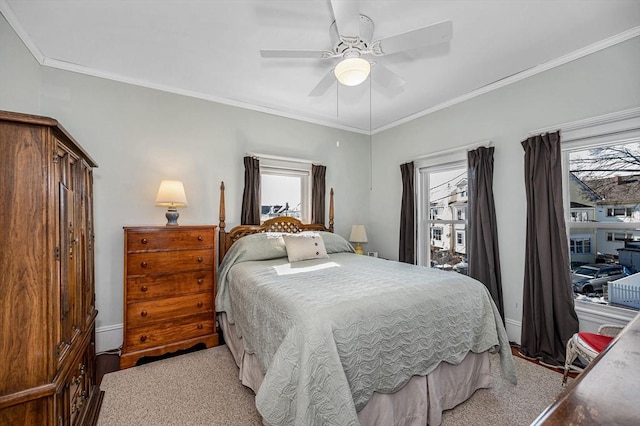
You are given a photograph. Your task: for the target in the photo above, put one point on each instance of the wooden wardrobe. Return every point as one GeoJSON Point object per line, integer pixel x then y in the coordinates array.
{"type": "Point", "coordinates": [47, 297]}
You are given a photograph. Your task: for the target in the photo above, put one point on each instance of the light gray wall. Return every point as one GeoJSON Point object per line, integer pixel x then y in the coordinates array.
{"type": "Point", "coordinates": [19, 73]}
{"type": "Point", "coordinates": [140, 136]}
{"type": "Point", "coordinates": [603, 82]}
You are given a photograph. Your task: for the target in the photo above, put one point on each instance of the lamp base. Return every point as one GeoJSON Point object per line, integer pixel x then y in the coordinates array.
{"type": "Point", "coordinates": [172, 217]}
{"type": "Point", "coordinates": [358, 249]}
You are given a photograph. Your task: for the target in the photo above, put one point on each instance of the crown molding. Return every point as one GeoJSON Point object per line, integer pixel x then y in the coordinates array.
{"type": "Point", "coordinates": [8, 13]}
{"type": "Point", "coordinates": [11, 17]}
{"type": "Point", "coordinates": [593, 48]}
{"type": "Point", "coordinates": [81, 69]}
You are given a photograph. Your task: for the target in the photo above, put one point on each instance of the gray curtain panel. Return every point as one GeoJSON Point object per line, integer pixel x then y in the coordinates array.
{"type": "Point", "coordinates": [406, 252]}
{"type": "Point", "coordinates": [318, 173]}
{"type": "Point", "coordinates": [250, 214]}
{"type": "Point", "coordinates": [548, 318]}
{"type": "Point", "coordinates": [482, 240]}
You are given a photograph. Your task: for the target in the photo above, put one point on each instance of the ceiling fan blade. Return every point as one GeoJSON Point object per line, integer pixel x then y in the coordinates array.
{"type": "Point", "coordinates": [324, 84]}
{"type": "Point", "coordinates": [386, 78]}
{"type": "Point", "coordinates": [432, 34]}
{"type": "Point", "coordinates": [347, 14]}
{"type": "Point", "coordinates": [312, 54]}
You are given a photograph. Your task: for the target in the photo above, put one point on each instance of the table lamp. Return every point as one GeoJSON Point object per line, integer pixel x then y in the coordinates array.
{"type": "Point", "coordinates": [358, 235]}
{"type": "Point", "coordinates": [171, 195]}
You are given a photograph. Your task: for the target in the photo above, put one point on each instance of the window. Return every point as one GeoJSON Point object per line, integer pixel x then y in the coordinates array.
{"type": "Point", "coordinates": [285, 189]}
{"type": "Point", "coordinates": [619, 236]}
{"type": "Point", "coordinates": [601, 189]}
{"type": "Point", "coordinates": [580, 245]}
{"type": "Point", "coordinates": [442, 205]}
{"type": "Point", "coordinates": [620, 211]}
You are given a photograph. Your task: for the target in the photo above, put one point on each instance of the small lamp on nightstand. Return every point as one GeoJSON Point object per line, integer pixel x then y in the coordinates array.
{"type": "Point", "coordinates": [171, 195]}
{"type": "Point", "coordinates": [358, 235]}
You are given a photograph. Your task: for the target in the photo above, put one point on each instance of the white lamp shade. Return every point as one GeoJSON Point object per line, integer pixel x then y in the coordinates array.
{"type": "Point", "coordinates": [358, 234]}
{"type": "Point", "coordinates": [171, 194]}
{"type": "Point", "coordinates": [352, 71]}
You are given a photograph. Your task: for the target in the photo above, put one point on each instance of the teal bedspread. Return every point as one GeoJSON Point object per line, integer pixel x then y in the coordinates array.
{"type": "Point", "coordinates": [330, 332]}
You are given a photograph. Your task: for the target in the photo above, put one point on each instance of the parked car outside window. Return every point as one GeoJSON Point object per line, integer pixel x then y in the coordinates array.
{"type": "Point", "coordinates": [591, 278]}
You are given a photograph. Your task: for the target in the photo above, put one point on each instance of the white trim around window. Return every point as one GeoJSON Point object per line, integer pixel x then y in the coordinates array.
{"type": "Point", "coordinates": [611, 129]}
{"type": "Point", "coordinates": [294, 168]}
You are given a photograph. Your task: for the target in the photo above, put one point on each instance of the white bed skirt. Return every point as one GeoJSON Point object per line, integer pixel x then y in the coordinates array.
{"type": "Point", "coordinates": [420, 402]}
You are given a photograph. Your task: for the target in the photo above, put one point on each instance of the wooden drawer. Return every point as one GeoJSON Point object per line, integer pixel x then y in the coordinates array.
{"type": "Point", "coordinates": [159, 262]}
{"type": "Point", "coordinates": [169, 285]}
{"type": "Point", "coordinates": [182, 238]}
{"type": "Point", "coordinates": [169, 331]}
{"type": "Point", "coordinates": [143, 313]}
{"type": "Point", "coordinates": [77, 392]}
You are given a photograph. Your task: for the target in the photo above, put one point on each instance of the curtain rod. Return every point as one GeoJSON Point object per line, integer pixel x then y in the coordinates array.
{"type": "Point", "coordinates": [280, 158]}
{"type": "Point", "coordinates": [468, 147]}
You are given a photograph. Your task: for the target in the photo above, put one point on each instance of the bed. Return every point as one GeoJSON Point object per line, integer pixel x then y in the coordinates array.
{"type": "Point", "coordinates": [346, 339]}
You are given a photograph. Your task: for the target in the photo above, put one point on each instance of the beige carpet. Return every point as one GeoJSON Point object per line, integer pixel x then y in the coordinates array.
{"type": "Point", "coordinates": [202, 388]}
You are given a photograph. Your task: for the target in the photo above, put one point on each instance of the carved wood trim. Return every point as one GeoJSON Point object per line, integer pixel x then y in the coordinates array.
{"type": "Point", "coordinates": [277, 224]}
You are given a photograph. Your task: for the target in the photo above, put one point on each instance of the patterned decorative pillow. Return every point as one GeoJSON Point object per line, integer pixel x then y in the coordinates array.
{"type": "Point", "coordinates": [305, 245]}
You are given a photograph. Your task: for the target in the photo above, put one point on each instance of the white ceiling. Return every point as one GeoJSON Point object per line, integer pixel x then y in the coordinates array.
{"type": "Point", "coordinates": [210, 49]}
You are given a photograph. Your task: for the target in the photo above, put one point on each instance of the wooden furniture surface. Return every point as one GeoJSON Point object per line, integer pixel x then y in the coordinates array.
{"type": "Point", "coordinates": [607, 392]}
{"type": "Point", "coordinates": [169, 291]}
{"type": "Point", "coordinates": [47, 289]}
{"type": "Point", "coordinates": [276, 224]}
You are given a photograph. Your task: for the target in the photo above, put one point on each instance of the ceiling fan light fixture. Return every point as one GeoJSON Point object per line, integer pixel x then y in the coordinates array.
{"type": "Point", "coordinates": [352, 71]}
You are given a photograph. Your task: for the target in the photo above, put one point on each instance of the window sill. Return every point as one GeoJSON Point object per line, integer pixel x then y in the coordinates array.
{"type": "Point", "coordinates": [592, 315]}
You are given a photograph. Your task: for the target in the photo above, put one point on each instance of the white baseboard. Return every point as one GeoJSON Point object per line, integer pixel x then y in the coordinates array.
{"type": "Point", "coordinates": [514, 330]}
{"type": "Point", "coordinates": [108, 337]}
{"type": "Point", "coordinates": [591, 317]}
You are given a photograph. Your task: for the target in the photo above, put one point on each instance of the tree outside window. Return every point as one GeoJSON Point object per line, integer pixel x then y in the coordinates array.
{"type": "Point", "coordinates": [604, 207]}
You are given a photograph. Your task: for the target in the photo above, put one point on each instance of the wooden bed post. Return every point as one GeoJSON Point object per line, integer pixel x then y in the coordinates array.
{"type": "Point", "coordinates": [221, 232]}
{"type": "Point", "coordinates": [331, 210]}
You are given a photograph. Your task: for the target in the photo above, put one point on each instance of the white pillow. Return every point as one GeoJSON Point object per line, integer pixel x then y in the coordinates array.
{"type": "Point", "coordinates": [305, 245]}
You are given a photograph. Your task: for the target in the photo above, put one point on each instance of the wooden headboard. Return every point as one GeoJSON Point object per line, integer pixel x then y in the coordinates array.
{"type": "Point", "coordinates": [276, 224]}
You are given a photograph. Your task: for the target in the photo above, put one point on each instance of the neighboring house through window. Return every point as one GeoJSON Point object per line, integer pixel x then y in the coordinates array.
{"type": "Point", "coordinates": [442, 205]}
{"type": "Point", "coordinates": [601, 188]}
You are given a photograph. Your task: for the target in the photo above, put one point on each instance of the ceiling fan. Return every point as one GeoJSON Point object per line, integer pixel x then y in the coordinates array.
{"type": "Point", "coordinates": [351, 37]}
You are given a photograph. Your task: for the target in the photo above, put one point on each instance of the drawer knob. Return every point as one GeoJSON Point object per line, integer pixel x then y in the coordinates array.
{"type": "Point", "coordinates": [200, 280]}
{"type": "Point", "coordinates": [200, 238]}
{"type": "Point", "coordinates": [144, 264]}
{"type": "Point", "coordinates": [199, 326]}
{"type": "Point", "coordinates": [144, 288]}
{"type": "Point", "coordinates": [143, 338]}
{"type": "Point", "coordinates": [144, 241]}
{"type": "Point", "coordinates": [200, 259]}
{"type": "Point", "coordinates": [200, 304]}
{"type": "Point", "coordinates": [143, 313]}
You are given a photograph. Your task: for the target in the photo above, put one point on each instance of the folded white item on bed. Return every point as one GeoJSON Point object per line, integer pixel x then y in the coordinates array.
{"type": "Point", "coordinates": [328, 339]}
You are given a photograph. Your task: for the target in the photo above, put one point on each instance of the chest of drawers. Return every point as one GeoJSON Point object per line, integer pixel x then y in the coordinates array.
{"type": "Point", "coordinates": [169, 290]}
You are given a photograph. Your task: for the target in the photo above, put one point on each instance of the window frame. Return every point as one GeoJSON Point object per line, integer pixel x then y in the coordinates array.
{"type": "Point", "coordinates": [451, 161]}
{"type": "Point", "coordinates": [291, 168]}
{"type": "Point", "coordinates": [617, 128]}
